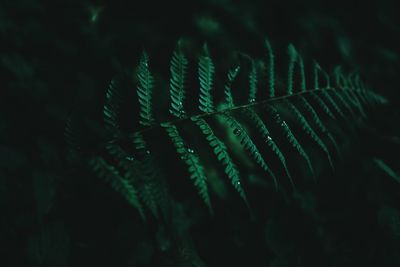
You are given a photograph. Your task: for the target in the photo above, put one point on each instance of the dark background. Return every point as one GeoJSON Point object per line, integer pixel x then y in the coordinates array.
{"type": "Point", "coordinates": [57, 58]}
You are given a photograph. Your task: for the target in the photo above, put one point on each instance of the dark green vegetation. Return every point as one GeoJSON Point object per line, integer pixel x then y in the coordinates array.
{"type": "Point", "coordinates": [241, 152]}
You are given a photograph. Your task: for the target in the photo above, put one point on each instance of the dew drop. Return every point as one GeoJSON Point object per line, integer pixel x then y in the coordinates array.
{"type": "Point", "coordinates": [269, 138]}
{"type": "Point", "coordinates": [237, 131]}
{"type": "Point", "coordinates": [130, 158]}
{"type": "Point", "coordinates": [190, 150]}
{"type": "Point", "coordinates": [148, 152]}
{"type": "Point", "coordinates": [252, 100]}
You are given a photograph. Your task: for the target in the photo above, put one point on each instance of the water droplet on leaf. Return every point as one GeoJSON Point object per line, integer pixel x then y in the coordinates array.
{"type": "Point", "coordinates": [237, 131]}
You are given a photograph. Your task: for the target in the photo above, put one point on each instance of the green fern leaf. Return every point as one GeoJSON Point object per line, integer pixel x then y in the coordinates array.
{"type": "Point", "coordinates": [349, 90]}
{"type": "Point", "coordinates": [262, 128]}
{"type": "Point", "coordinates": [232, 74]}
{"type": "Point", "coordinates": [123, 159]}
{"type": "Point", "coordinates": [111, 110]}
{"type": "Point", "coordinates": [290, 136]}
{"type": "Point", "coordinates": [344, 103]}
{"type": "Point", "coordinates": [309, 130]}
{"type": "Point", "coordinates": [112, 176]}
{"type": "Point", "coordinates": [253, 82]}
{"type": "Point", "coordinates": [178, 69]}
{"type": "Point", "coordinates": [336, 107]}
{"type": "Point", "coordinates": [152, 189]}
{"type": "Point", "coordinates": [145, 91]}
{"type": "Point", "coordinates": [361, 94]}
{"type": "Point", "coordinates": [333, 103]}
{"type": "Point", "coordinates": [323, 105]}
{"type": "Point", "coordinates": [141, 174]}
{"type": "Point", "coordinates": [292, 61]}
{"type": "Point", "coordinates": [303, 86]}
{"type": "Point", "coordinates": [319, 123]}
{"type": "Point", "coordinates": [353, 98]}
{"type": "Point", "coordinates": [271, 69]}
{"type": "Point", "coordinates": [340, 80]}
{"type": "Point", "coordinates": [206, 77]}
{"type": "Point", "coordinates": [221, 151]}
{"type": "Point", "coordinates": [191, 159]}
{"type": "Point", "coordinates": [316, 70]}
{"type": "Point", "coordinates": [294, 58]}
{"type": "Point", "coordinates": [249, 145]}
{"type": "Point", "coordinates": [387, 169]}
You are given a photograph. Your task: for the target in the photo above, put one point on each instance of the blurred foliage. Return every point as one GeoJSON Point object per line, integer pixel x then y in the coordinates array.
{"type": "Point", "coordinates": [57, 58]}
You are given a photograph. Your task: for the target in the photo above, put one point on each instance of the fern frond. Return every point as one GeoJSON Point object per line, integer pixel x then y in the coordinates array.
{"type": "Point", "coordinates": [350, 125]}
{"type": "Point", "coordinates": [140, 174]}
{"type": "Point", "coordinates": [332, 102]}
{"type": "Point", "coordinates": [262, 128]}
{"type": "Point", "coordinates": [361, 94]}
{"type": "Point", "coordinates": [319, 123]}
{"type": "Point", "coordinates": [271, 69]}
{"type": "Point", "coordinates": [343, 101]}
{"type": "Point", "coordinates": [309, 130]}
{"type": "Point", "coordinates": [323, 105]}
{"type": "Point", "coordinates": [152, 189]}
{"type": "Point", "coordinates": [290, 136]}
{"type": "Point", "coordinates": [303, 86]}
{"type": "Point", "coordinates": [221, 151]}
{"type": "Point", "coordinates": [178, 69]}
{"type": "Point", "coordinates": [340, 80]}
{"type": "Point", "coordinates": [249, 145]}
{"type": "Point", "coordinates": [317, 69]}
{"type": "Point", "coordinates": [135, 174]}
{"type": "Point", "coordinates": [292, 61]}
{"type": "Point", "coordinates": [111, 110]}
{"type": "Point", "coordinates": [191, 159]}
{"type": "Point", "coordinates": [294, 58]}
{"type": "Point", "coordinates": [253, 80]}
{"type": "Point", "coordinates": [232, 74]}
{"type": "Point", "coordinates": [123, 159]}
{"type": "Point", "coordinates": [121, 185]}
{"type": "Point", "coordinates": [145, 91]}
{"type": "Point", "coordinates": [206, 78]}
{"type": "Point", "coordinates": [387, 169]}
{"type": "Point", "coordinates": [352, 96]}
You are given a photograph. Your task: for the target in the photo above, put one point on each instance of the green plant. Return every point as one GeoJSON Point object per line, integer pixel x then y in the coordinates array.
{"type": "Point", "coordinates": [259, 133]}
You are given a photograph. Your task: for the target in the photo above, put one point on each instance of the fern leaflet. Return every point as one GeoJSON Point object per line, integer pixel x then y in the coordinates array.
{"type": "Point", "coordinates": [232, 74]}
{"type": "Point", "coordinates": [317, 69]}
{"type": "Point", "coordinates": [111, 175]}
{"type": "Point", "coordinates": [178, 69]}
{"type": "Point", "coordinates": [253, 82]}
{"type": "Point", "coordinates": [111, 110]}
{"type": "Point", "coordinates": [206, 75]}
{"type": "Point", "coordinates": [271, 69]}
{"type": "Point", "coordinates": [319, 123]}
{"type": "Point", "coordinates": [262, 128]}
{"type": "Point", "coordinates": [290, 136]}
{"type": "Point", "coordinates": [249, 145]}
{"type": "Point", "coordinates": [145, 91]}
{"type": "Point", "coordinates": [221, 151]}
{"type": "Point", "coordinates": [309, 130]}
{"type": "Point", "coordinates": [191, 159]}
